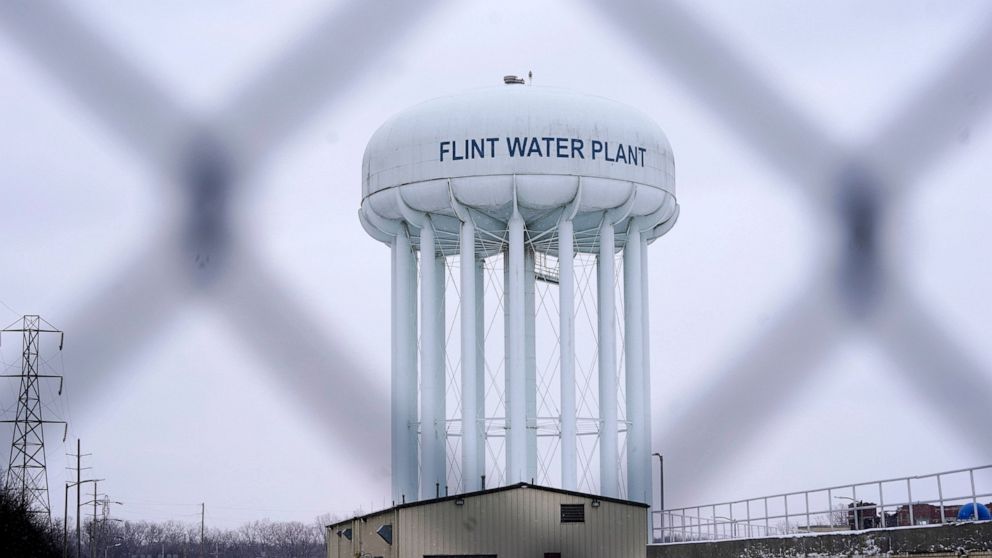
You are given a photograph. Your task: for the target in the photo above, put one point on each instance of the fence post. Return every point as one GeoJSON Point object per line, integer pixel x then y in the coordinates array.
{"type": "Point", "coordinates": [909, 491]}
{"type": "Point", "coordinates": [748, 512]}
{"type": "Point", "coordinates": [940, 495]}
{"type": "Point", "coordinates": [881, 503]}
{"type": "Point", "coordinates": [974, 498]}
{"type": "Point", "coordinates": [830, 506]}
{"type": "Point", "coordinates": [855, 506]}
{"type": "Point", "coordinates": [766, 516]}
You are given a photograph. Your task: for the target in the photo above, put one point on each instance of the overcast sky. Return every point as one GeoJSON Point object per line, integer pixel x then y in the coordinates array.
{"type": "Point", "coordinates": [189, 408]}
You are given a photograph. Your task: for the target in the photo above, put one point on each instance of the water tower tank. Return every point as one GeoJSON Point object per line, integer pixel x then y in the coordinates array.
{"type": "Point", "coordinates": [532, 182]}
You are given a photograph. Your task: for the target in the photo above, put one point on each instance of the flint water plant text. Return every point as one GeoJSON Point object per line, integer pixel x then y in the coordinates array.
{"type": "Point", "coordinates": [532, 146]}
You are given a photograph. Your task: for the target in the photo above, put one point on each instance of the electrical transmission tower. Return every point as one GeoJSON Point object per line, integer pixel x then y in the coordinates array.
{"type": "Point", "coordinates": [26, 472]}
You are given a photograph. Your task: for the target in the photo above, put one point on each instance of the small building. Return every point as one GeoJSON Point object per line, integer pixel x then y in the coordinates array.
{"type": "Point", "coordinates": [519, 520]}
{"type": "Point", "coordinates": [863, 515]}
{"type": "Point", "coordinates": [925, 514]}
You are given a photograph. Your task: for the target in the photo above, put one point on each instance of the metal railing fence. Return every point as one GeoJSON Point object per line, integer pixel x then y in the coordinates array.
{"type": "Point", "coordinates": [896, 502]}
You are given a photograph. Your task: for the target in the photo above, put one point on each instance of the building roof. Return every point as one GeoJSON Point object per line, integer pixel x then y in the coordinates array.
{"type": "Point", "coordinates": [492, 491]}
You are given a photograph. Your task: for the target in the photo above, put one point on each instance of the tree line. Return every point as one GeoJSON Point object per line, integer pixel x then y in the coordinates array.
{"type": "Point", "coordinates": [174, 539]}
{"type": "Point", "coordinates": [26, 534]}
{"type": "Point", "coordinates": [23, 533]}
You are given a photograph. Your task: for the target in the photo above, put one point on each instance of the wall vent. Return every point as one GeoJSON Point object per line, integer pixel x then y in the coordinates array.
{"type": "Point", "coordinates": [386, 532]}
{"type": "Point", "coordinates": [573, 513]}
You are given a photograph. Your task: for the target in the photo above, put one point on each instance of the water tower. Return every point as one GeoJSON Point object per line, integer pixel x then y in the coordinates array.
{"type": "Point", "coordinates": [518, 219]}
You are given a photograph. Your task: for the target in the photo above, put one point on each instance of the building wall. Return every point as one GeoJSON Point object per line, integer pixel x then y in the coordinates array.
{"type": "Point", "coordinates": [364, 540]}
{"type": "Point", "coordinates": [521, 523]}
{"type": "Point", "coordinates": [925, 514]}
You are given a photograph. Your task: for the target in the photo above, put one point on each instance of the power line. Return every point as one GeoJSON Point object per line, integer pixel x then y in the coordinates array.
{"type": "Point", "coordinates": [7, 306]}
{"type": "Point", "coordinates": [139, 503]}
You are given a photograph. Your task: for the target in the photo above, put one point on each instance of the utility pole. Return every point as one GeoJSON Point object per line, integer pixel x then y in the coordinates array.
{"type": "Point", "coordinates": [79, 457]}
{"type": "Point", "coordinates": [94, 535]}
{"type": "Point", "coordinates": [78, 483]}
{"type": "Point", "coordinates": [26, 470]}
{"type": "Point", "coordinates": [203, 509]}
{"type": "Point", "coordinates": [104, 519]}
{"type": "Point", "coordinates": [661, 479]}
{"type": "Point", "coordinates": [65, 523]}
{"type": "Point", "coordinates": [661, 489]}
{"type": "Point", "coordinates": [93, 524]}
{"type": "Point", "coordinates": [79, 506]}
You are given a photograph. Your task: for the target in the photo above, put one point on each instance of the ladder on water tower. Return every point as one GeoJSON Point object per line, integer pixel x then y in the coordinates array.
{"type": "Point", "coordinates": [546, 268]}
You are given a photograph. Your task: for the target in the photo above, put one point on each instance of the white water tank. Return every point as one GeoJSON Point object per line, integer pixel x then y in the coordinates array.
{"type": "Point", "coordinates": [501, 178]}
{"type": "Point", "coordinates": [538, 144]}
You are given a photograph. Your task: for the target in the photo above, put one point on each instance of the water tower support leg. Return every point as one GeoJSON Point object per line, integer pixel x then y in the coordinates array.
{"type": "Point", "coordinates": [646, 365]}
{"type": "Point", "coordinates": [638, 446]}
{"type": "Point", "coordinates": [530, 349]}
{"type": "Point", "coordinates": [516, 395]}
{"type": "Point", "coordinates": [432, 404]}
{"type": "Point", "coordinates": [404, 370]}
{"type": "Point", "coordinates": [471, 471]}
{"type": "Point", "coordinates": [607, 362]}
{"type": "Point", "coordinates": [566, 326]}
{"type": "Point", "coordinates": [480, 362]}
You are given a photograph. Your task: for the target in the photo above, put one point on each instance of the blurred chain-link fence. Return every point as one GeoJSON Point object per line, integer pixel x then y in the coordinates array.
{"type": "Point", "coordinates": [201, 258]}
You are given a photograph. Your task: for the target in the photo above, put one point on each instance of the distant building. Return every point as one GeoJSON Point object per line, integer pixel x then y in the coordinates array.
{"type": "Point", "coordinates": [924, 514]}
{"type": "Point", "coordinates": [509, 521]}
{"type": "Point", "coordinates": [863, 515]}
